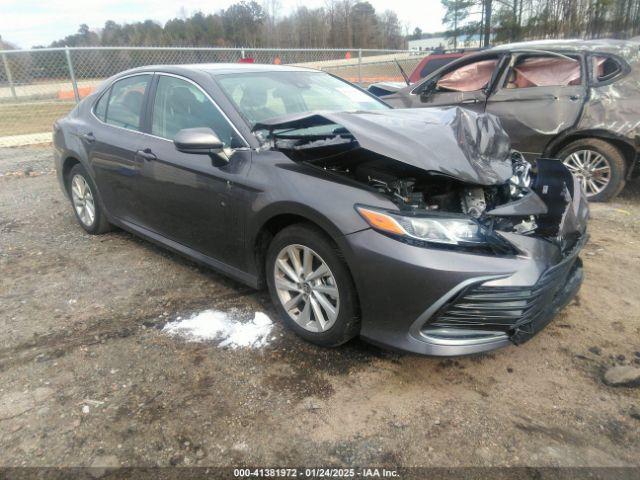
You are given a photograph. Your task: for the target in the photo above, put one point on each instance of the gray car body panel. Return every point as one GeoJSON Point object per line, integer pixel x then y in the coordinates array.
{"type": "Point", "coordinates": [397, 284]}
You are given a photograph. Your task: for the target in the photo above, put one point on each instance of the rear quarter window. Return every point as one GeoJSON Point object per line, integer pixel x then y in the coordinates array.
{"type": "Point", "coordinates": [605, 69]}
{"type": "Point", "coordinates": [100, 108]}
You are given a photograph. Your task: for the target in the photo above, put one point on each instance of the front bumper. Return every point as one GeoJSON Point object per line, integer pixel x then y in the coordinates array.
{"type": "Point", "coordinates": [447, 302]}
{"type": "Point", "coordinates": [408, 294]}
{"type": "Point", "coordinates": [483, 314]}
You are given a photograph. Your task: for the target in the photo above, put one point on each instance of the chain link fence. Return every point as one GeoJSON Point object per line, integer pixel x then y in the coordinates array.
{"type": "Point", "coordinates": [38, 86]}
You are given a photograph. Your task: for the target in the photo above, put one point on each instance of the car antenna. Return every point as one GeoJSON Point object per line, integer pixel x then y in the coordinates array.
{"type": "Point", "coordinates": [404, 75]}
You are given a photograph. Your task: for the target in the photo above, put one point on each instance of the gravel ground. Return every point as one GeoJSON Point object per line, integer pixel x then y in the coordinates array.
{"type": "Point", "coordinates": [87, 375]}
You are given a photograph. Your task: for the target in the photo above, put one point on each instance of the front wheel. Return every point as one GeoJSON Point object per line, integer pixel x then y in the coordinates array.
{"type": "Point", "coordinates": [598, 165]}
{"type": "Point", "coordinates": [311, 286]}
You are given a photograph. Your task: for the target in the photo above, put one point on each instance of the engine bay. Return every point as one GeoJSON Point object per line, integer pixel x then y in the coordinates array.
{"type": "Point", "coordinates": [533, 201]}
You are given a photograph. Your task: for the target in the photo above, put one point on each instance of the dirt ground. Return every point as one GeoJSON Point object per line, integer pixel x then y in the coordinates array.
{"type": "Point", "coordinates": [86, 372]}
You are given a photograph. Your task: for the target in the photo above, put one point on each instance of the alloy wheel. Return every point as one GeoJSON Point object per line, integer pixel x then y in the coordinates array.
{"type": "Point", "coordinates": [83, 200]}
{"type": "Point", "coordinates": [591, 168]}
{"type": "Point", "coordinates": [306, 288]}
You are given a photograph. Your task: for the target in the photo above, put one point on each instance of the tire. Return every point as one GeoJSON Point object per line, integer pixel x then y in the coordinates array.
{"type": "Point", "coordinates": [307, 240]}
{"type": "Point", "coordinates": [612, 157]}
{"type": "Point", "coordinates": [96, 224]}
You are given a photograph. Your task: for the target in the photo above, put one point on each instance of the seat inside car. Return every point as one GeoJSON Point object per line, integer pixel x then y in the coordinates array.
{"type": "Point", "coordinates": [132, 101]}
{"type": "Point", "coordinates": [182, 110]}
{"type": "Point", "coordinates": [254, 103]}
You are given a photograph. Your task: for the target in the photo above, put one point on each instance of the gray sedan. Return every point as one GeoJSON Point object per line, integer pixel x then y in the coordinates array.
{"type": "Point", "coordinates": [415, 229]}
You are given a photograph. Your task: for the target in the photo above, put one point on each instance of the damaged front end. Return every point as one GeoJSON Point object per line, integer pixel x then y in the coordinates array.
{"type": "Point", "coordinates": [450, 173]}
{"type": "Point", "coordinates": [455, 186]}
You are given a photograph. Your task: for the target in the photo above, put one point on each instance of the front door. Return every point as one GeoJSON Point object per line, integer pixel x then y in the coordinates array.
{"type": "Point", "coordinates": [538, 97]}
{"type": "Point", "coordinates": [193, 199]}
{"type": "Point", "coordinates": [462, 84]}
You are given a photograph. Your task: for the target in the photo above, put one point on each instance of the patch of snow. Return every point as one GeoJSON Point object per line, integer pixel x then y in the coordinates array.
{"type": "Point", "coordinates": [229, 330]}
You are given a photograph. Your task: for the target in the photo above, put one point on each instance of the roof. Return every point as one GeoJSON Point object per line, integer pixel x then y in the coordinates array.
{"type": "Point", "coordinates": [623, 48]}
{"type": "Point", "coordinates": [222, 68]}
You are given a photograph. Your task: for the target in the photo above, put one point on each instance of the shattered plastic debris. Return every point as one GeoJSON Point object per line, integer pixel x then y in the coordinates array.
{"type": "Point", "coordinates": [230, 330]}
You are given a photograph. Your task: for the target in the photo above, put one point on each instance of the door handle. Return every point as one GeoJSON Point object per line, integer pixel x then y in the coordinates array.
{"type": "Point", "coordinates": [470, 100]}
{"type": "Point", "coordinates": [88, 137]}
{"type": "Point", "coordinates": [573, 98]}
{"type": "Point", "coordinates": [146, 154]}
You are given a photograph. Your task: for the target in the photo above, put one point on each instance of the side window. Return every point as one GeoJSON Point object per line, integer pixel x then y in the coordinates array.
{"type": "Point", "coordinates": [100, 108]}
{"type": "Point", "coordinates": [544, 71]}
{"type": "Point", "coordinates": [604, 68]}
{"type": "Point", "coordinates": [468, 78]}
{"type": "Point", "coordinates": [124, 108]}
{"type": "Point", "coordinates": [180, 104]}
{"type": "Point", "coordinates": [433, 65]}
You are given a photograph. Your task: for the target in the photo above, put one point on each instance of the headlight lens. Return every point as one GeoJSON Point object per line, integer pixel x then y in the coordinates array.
{"type": "Point", "coordinates": [436, 229]}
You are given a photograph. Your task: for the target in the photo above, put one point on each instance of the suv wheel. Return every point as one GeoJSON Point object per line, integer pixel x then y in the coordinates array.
{"type": "Point", "coordinates": [311, 286]}
{"type": "Point", "coordinates": [85, 201]}
{"type": "Point", "coordinates": [599, 165]}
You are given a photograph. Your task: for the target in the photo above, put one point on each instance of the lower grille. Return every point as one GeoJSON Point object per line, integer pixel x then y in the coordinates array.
{"type": "Point", "coordinates": [504, 309]}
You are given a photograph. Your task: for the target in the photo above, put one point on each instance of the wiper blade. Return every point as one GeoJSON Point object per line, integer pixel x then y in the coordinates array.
{"type": "Point", "coordinates": [404, 75]}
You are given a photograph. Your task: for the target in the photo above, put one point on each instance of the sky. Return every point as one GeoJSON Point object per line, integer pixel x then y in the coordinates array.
{"type": "Point", "coordinates": [27, 23]}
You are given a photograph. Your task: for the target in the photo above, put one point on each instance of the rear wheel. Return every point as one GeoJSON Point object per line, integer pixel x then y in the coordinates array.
{"type": "Point", "coordinates": [311, 286]}
{"type": "Point", "coordinates": [598, 165]}
{"type": "Point", "coordinates": [85, 201]}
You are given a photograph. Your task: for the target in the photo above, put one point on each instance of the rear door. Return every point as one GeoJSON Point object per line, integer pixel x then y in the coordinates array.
{"type": "Point", "coordinates": [112, 140]}
{"type": "Point", "coordinates": [537, 97]}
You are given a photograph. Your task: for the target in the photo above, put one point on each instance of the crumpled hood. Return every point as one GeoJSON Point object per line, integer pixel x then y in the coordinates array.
{"type": "Point", "coordinates": [469, 146]}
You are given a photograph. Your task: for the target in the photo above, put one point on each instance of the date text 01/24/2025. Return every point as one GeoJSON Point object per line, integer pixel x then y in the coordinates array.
{"type": "Point", "coordinates": [314, 473]}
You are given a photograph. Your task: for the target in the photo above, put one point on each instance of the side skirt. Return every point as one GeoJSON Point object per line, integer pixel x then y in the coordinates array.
{"type": "Point", "coordinates": [233, 272]}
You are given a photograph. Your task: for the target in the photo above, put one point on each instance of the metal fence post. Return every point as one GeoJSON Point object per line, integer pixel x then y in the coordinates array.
{"type": "Point", "coordinates": [74, 83]}
{"type": "Point", "coordinates": [359, 66]}
{"type": "Point", "coordinates": [242, 53]}
{"type": "Point", "coordinates": [9, 76]}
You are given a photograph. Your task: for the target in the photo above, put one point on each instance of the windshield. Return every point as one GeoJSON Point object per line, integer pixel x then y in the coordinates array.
{"type": "Point", "coordinates": [260, 96]}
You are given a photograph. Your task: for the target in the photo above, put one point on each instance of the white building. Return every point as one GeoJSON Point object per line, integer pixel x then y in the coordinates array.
{"type": "Point", "coordinates": [442, 43]}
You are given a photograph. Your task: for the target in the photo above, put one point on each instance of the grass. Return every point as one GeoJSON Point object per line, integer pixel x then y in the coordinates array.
{"type": "Point", "coordinates": [32, 117]}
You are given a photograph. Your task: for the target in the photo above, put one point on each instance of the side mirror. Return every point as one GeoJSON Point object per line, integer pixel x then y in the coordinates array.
{"type": "Point", "coordinates": [427, 91]}
{"type": "Point", "coordinates": [202, 141]}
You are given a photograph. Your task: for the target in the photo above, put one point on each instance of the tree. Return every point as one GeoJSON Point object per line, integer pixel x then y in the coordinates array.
{"type": "Point", "coordinates": [84, 38]}
{"type": "Point", "coordinates": [243, 23]}
{"type": "Point", "coordinates": [364, 31]}
{"type": "Point", "coordinates": [352, 24]}
{"type": "Point", "coordinates": [456, 12]}
{"type": "Point", "coordinates": [4, 45]}
{"type": "Point", "coordinates": [417, 34]}
{"type": "Point", "coordinates": [390, 30]}
{"type": "Point", "coordinates": [487, 7]}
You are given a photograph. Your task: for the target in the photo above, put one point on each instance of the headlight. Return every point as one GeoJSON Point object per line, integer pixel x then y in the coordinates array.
{"type": "Point", "coordinates": [431, 228]}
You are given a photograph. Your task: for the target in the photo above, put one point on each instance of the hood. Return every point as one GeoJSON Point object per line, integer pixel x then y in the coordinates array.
{"type": "Point", "coordinates": [468, 146]}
